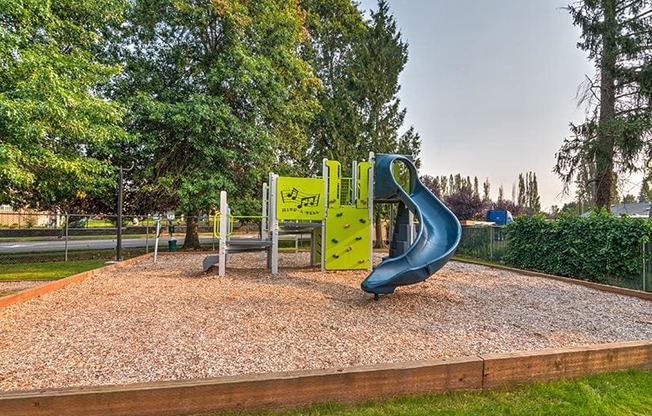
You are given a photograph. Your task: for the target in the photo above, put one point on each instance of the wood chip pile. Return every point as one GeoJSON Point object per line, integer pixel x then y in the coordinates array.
{"type": "Point", "coordinates": [169, 321]}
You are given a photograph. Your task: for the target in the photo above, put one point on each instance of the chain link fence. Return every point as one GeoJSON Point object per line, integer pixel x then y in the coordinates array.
{"type": "Point", "coordinates": [26, 236]}
{"type": "Point", "coordinates": [482, 242]}
{"type": "Point", "coordinates": [81, 236]}
{"type": "Point", "coordinates": [641, 281]}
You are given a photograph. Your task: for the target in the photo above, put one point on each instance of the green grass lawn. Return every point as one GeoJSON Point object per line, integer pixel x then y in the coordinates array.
{"type": "Point", "coordinates": [48, 270]}
{"type": "Point", "coordinates": [623, 393]}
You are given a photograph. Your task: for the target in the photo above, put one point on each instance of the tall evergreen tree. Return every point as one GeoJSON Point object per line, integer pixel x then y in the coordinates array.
{"type": "Point", "coordinates": [522, 192]}
{"type": "Point", "coordinates": [380, 59]}
{"type": "Point", "coordinates": [534, 201]}
{"type": "Point", "coordinates": [335, 27]}
{"type": "Point", "coordinates": [359, 63]}
{"type": "Point", "coordinates": [617, 35]}
{"type": "Point", "coordinates": [443, 185]}
{"type": "Point", "coordinates": [486, 191]}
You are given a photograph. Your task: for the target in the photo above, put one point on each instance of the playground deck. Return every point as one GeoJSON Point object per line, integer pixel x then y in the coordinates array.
{"type": "Point", "coordinates": [169, 321]}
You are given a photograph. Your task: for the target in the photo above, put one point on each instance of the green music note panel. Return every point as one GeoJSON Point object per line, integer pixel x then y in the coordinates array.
{"type": "Point", "coordinates": [300, 199]}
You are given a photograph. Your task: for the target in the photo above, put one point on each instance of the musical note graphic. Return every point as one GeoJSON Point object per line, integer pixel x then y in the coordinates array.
{"type": "Point", "coordinates": [291, 195]}
{"type": "Point", "coordinates": [310, 201]}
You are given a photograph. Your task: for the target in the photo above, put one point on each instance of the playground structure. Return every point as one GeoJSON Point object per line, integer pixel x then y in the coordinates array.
{"type": "Point", "coordinates": [338, 214]}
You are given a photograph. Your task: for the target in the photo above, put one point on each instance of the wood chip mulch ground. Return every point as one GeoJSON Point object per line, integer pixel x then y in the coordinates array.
{"type": "Point", "coordinates": [170, 321]}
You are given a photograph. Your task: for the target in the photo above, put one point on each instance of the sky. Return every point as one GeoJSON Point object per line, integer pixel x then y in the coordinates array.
{"type": "Point", "coordinates": [491, 87]}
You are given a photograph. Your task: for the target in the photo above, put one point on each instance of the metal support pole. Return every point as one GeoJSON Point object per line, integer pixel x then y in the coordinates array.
{"type": "Point", "coordinates": [147, 235]}
{"type": "Point", "coordinates": [354, 182]}
{"type": "Point", "coordinates": [273, 224]}
{"type": "Point", "coordinates": [65, 256]}
{"type": "Point", "coordinates": [224, 211]}
{"type": "Point", "coordinates": [326, 177]}
{"type": "Point", "coordinates": [118, 251]}
{"type": "Point", "coordinates": [491, 243]}
{"type": "Point", "coordinates": [644, 271]}
{"type": "Point", "coordinates": [264, 233]}
{"type": "Point", "coordinates": [158, 234]}
{"type": "Point", "coordinates": [370, 208]}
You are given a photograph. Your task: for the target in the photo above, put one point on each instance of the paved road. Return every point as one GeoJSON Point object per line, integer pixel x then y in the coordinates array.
{"type": "Point", "coordinates": [89, 244]}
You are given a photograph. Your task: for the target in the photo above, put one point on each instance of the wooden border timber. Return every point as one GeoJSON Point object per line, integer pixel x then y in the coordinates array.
{"type": "Point", "coordinates": [34, 292]}
{"type": "Point", "coordinates": [251, 392]}
{"type": "Point", "coordinates": [598, 286]}
{"type": "Point", "coordinates": [525, 367]}
{"type": "Point", "coordinates": [282, 391]}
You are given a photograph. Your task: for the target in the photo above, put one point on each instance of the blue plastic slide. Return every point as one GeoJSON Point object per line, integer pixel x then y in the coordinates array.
{"type": "Point", "coordinates": [437, 237]}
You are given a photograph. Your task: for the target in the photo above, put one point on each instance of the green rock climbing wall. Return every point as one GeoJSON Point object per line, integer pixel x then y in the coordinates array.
{"type": "Point", "coordinates": [347, 239]}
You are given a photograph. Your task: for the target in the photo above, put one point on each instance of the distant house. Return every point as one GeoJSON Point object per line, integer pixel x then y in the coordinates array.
{"type": "Point", "coordinates": [638, 210]}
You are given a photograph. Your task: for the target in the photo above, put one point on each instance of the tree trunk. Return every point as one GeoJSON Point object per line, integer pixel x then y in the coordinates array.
{"type": "Point", "coordinates": [606, 125]}
{"type": "Point", "coordinates": [378, 223]}
{"type": "Point", "coordinates": [192, 232]}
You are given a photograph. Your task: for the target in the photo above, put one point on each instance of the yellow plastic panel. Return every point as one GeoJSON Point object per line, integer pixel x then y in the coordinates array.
{"type": "Point", "coordinates": [334, 183]}
{"type": "Point", "coordinates": [347, 241]}
{"type": "Point", "coordinates": [300, 199]}
{"type": "Point", "coordinates": [362, 195]}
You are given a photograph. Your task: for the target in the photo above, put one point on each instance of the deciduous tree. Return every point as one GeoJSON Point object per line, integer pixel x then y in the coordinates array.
{"type": "Point", "coordinates": [465, 204]}
{"type": "Point", "coordinates": [218, 94]}
{"type": "Point", "coordinates": [51, 114]}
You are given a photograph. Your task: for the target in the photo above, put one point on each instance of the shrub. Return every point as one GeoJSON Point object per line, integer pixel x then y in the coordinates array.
{"type": "Point", "coordinates": [595, 248]}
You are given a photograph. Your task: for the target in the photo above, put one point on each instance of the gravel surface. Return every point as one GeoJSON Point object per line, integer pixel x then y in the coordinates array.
{"type": "Point", "coordinates": [169, 321]}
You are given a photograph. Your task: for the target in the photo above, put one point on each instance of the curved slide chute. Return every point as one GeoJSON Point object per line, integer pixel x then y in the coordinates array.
{"type": "Point", "coordinates": [438, 234]}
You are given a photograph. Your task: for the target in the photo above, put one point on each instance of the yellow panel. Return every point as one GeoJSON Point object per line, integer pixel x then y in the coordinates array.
{"type": "Point", "coordinates": [347, 243]}
{"type": "Point", "coordinates": [334, 183]}
{"type": "Point", "coordinates": [362, 193]}
{"type": "Point", "coordinates": [300, 199]}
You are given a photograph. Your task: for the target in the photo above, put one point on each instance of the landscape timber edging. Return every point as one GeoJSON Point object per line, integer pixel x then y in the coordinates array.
{"type": "Point", "coordinates": [34, 292]}
{"type": "Point", "coordinates": [524, 367]}
{"type": "Point", "coordinates": [295, 389]}
{"type": "Point", "coordinates": [593, 285]}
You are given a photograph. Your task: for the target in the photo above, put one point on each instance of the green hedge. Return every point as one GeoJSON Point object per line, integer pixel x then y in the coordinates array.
{"type": "Point", "coordinates": [599, 247]}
